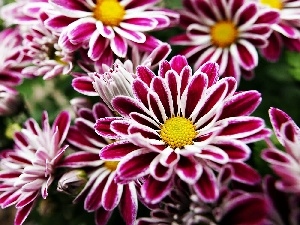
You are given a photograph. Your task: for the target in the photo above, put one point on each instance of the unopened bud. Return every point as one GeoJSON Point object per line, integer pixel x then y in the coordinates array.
{"type": "Point", "coordinates": [72, 182]}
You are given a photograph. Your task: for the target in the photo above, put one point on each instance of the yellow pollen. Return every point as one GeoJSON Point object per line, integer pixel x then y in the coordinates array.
{"type": "Point", "coordinates": [111, 165]}
{"type": "Point", "coordinates": [223, 34]}
{"type": "Point", "coordinates": [110, 12]}
{"type": "Point", "coordinates": [178, 132]}
{"type": "Point", "coordinates": [276, 4]}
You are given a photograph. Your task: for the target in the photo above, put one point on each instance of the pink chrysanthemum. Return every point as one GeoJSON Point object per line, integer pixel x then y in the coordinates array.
{"type": "Point", "coordinates": [48, 59]}
{"type": "Point", "coordinates": [286, 32]}
{"type": "Point", "coordinates": [11, 58]}
{"type": "Point", "coordinates": [101, 193]}
{"type": "Point", "coordinates": [285, 164]}
{"type": "Point", "coordinates": [102, 23]}
{"type": "Point", "coordinates": [183, 124]}
{"type": "Point", "coordinates": [27, 170]}
{"type": "Point", "coordinates": [84, 83]}
{"type": "Point", "coordinates": [226, 32]}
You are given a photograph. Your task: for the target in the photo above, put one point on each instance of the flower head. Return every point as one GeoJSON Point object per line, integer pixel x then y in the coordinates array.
{"type": "Point", "coordinates": [109, 74]}
{"type": "Point", "coordinates": [101, 193]}
{"type": "Point", "coordinates": [225, 32]}
{"type": "Point", "coordinates": [48, 59]}
{"type": "Point", "coordinates": [285, 164]}
{"type": "Point", "coordinates": [180, 123]}
{"type": "Point", "coordinates": [102, 23]}
{"type": "Point", "coordinates": [284, 33]}
{"type": "Point", "coordinates": [27, 170]}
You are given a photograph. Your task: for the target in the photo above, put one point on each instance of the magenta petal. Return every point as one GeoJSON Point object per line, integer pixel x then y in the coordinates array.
{"type": "Point", "coordinates": [62, 122]}
{"type": "Point", "coordinates": [239, 209]}
{"type": "Point", "coordinates": [140, 90]}
{"type": "Point", "coordinates": [117, 150]}
{"type": "Point", "coordinates": [102, 127]}
{"type": "Point", "coordinates": [145, 74]}
{"type": "Point", "coordinates": [81, 159]}
{"type": "Point", "coordinates": [125, 105]}
{"type": "Point", "coordinates": [93, 199]}
{"type": "Point", "coordinates": [206, 187]}
{"type": "Point", "coordinates": [84, 86]}
{"type": "Point", "coordinates": [23, 213]}
{"type": "Point", "coordinates": [160, 87]}
{"type": "Point", "coordinates": [246, 55]}
{"type": "Point", "coordinates": [136, 164]}
{"type": "Point", "coordinates": [154, 191]}
{"type": "Point", "coordinates": [273, 49]}
{"type": "Point", "coordinates": [102, 216]}
{"type": "Point", "coordinates": [188, 169]}
{"type": "Point", "coordinates": [112, 193]}
{"type": "Point", "coordinates": [29, 199]}
{"type": "Point", "coordinates": [178, 63]}
{"type": "Point", "coordinates": [241, 104]}
{"type": "Point", "coordinates": [80, 27]}
{"type": "Point", "coordinates": [119, 46]}
{"type": "Point", "coordinates": [244, 173]}
{"type": "Point", "coordinates": [128, 204]}
{"type": "Point", "coordinates": [212, 71]}
{"type": "Point", "coordinates": [278, 118]}
{"type": "Point", "coordinates": [194, 93]}
{"type": "Point", "coordinates": [242, 127]}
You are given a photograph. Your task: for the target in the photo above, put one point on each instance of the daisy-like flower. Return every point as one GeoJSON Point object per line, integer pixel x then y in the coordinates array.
{"type": "Point", "coordinates": [9, 100]}
{"type": "Point", "coordinates": [103, 23]}
{"type": "Point", "coordinates": [101, 193]}
{"type": "Point", "coordinates": [11, 59]}
{"type": "Point", "coordinates": [286, 32]}
{"type": "Point", "coordinates": [183, 124]}
{"type": "Point", "coordinates": [27, 170]}
{"type": "Point", "coordinates": [48, 59]}
{"type": "Point", "coordinates": [233, 207]}
{"type": "Point", "coordinates": [226, 32]}
{"type": "Point", "coordinates": [92, 83]}
{"type": "Point", "coordinates": [285, 164]}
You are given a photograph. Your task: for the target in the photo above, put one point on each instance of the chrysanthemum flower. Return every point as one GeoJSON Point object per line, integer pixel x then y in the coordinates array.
{"type": "Point", "coordinates": [226, 32]}
{"type": "Point", "coordinates": [103, 23]}
{"type": "Point", "coordinates": [48, 59]}
{"type": "Point", "coordinates": [286, 32]}
{"type": "Point", "coordinates": [27, 170]}
{"type": "Point", "coordinates": [285, 164]}
{"type": "Point", "coordinates": [9, 100]}
{"type": "Point", "coordinates": [233, 207]}
{"type": "Point", "coordinates": [183, 124]}
{"type": "Point", "coordinates": [96, 74]}
{"type": "Point", "coordinates": [11, 57]}
{"type": "Point", "coordinates": [101, 193]}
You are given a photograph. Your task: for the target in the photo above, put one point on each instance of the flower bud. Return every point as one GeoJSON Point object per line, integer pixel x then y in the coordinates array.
{"type": "Point", "coordinates": [72, 182]}
{"type": "Point", "coordinates": [113, 83]}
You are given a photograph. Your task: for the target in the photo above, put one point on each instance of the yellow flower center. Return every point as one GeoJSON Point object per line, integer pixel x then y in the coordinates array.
{"type": "Point", "coordinates": [223, 34]}
{"type": "Point", "coordinates": [276, 4]}
{"type": "Point", "coordinates": [178, 132]}
{"type": "Point", "coordinates": [110, 12]}
{"type": "Point", "coordinates": [111, 165]}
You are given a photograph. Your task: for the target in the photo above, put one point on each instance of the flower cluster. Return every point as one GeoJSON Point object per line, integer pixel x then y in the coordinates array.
{"type": "Point", "coordinates": [149, 111]}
